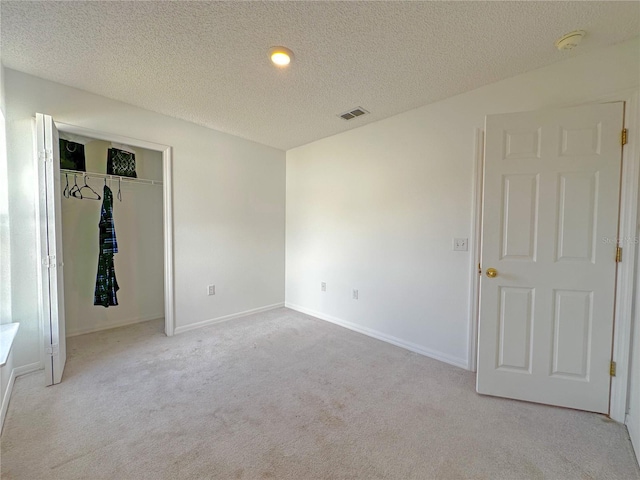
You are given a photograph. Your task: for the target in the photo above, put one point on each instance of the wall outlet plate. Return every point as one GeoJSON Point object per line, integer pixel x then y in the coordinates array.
{"type": "Point", "coordinates": [461, 244]}
{"type": "Point", "coordinates": [323, 286]}
{"type": "Point", "coordinates": [355, 294]}
{"type": "Point", "coordinates": [211, 290]}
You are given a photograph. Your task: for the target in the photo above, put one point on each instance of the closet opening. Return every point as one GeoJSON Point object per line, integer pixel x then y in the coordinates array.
{"type": "Point", "coordinates": [99, 295]}
{"type": "Point", "coordinates": [106, 235]}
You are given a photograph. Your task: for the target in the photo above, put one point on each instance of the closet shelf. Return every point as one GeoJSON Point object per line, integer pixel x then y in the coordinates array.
{"type": "Point", "coordinates": [110, 177]}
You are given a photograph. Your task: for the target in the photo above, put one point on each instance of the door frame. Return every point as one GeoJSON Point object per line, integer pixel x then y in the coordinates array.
{"type": "Point", "coordinates": [167, 210]}
{"type": "Point", "coordinates": [475, 247]}
{"type": "Point", "coordinates": [628, 225]}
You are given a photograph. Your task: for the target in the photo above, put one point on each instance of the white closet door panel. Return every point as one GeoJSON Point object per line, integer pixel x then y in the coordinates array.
{"type": "Point", "coordinates": [53, 264]}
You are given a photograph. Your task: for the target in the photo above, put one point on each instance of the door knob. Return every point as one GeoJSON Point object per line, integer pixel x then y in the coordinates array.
{"type": "Point", "coordinates": [492, 272]}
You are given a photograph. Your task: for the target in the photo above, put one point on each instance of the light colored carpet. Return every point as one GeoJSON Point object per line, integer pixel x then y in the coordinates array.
{"type": "Point", "coordinates": [285, 396]}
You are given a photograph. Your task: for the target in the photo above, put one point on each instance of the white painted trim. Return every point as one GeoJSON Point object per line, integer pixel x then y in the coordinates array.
{"type": "Point", "coordinates": [167, 200]}
{"type": "Point", "coordinates": [15, 373]}
{"type": "Point", "coordinates": [8, 332]}
{"type": "Point", "coordinates": [44, 308]}
{"type": "Point", "coordinates": [39, 247]}
{"type": "Point", "coordinates": [29, 368]}
{"type": "Point", "coordinates": [475, 247]}
{"type": "Point", "coordinates": [427, 352]}
{"type": "Point", "coordinates": [121, 323]}
{"type": "Point", "coordinates": [213, 321]}
{"type": "Point", "coordinates": [7, 398]}
{"type": "Point", "coordinates": [109, 137]}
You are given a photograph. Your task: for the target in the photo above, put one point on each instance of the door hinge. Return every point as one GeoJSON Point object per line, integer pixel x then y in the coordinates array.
{"type": "Point", "coordinates": [49, 261]}
{"type": "Point", "coordinates": [623, 136]}
{"type": "Point", "coordinates": [618, 254]}
{"type": "Point", "coordinates": [612, 369]}
{"type": "Point", "coordinates": [52, 350]}
{"type": "Point", "coordinates": [46, 155]}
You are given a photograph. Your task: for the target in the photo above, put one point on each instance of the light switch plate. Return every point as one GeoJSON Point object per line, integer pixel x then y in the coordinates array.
{"type": "Point", "coordinates": [461, 244]}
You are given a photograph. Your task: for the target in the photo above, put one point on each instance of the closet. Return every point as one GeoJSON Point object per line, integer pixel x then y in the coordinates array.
{"type": "Point", "coordinates": [92, 184]}
{"type": "Point", "coordinates": [137, 218]}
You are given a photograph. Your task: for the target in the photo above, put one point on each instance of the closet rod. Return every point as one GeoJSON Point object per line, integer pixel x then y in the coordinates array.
{"type": "Point", "coordinates": [110, 177]}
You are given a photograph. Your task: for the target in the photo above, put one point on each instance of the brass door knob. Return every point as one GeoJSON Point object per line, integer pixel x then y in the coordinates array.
{"type": "Point", "coordinates": [492, 272]}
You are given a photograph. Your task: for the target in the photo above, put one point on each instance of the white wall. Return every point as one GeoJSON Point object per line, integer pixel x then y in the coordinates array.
{"type": "Point", "coordinates": [633, 414]}
{"type": "Point", "coordinates": [228, 205]}
{"type": "Point", "coordinates": [5, 250]}
{"type": "Point", "coordinates": [633, 405]}
{"type": "Point", "coordinates": [377, 208]}
{"type": "Point", "coordinates": [6, 371]}
{"type": "Point", "coordinates": [139, 263]}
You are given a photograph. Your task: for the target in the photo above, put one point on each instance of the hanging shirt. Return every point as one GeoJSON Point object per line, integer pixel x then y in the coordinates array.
{"type": "Point", "coordinates": [106, 283]}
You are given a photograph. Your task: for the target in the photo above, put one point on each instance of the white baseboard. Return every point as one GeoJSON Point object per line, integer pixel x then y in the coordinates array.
{"type": "Point", "coordinates": [7, 397]}
{"type": "Point", "coordinates": [32, 367]}
{"type": "Point", "coordinates": [120, 323]}
{"type": "Point", "coordinates": [213, 321]}
{"type": "Point", "coordinates": [15, 372]}
{"type": "Point", "coordinates": [427, 352]}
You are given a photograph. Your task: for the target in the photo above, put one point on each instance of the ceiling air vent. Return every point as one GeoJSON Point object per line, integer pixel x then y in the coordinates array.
{"type": "Point", "coordinates": [356, 112]}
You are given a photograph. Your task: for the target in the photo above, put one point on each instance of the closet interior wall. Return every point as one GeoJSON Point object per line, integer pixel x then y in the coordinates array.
{"type": "Point", "coordinates": [139, 263]}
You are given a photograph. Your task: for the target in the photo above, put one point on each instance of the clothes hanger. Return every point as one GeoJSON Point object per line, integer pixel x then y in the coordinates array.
{"type": "Point", "coordinates": [119, 191]}
{"type": "Point", "coordinates": [75, 190]}
{"type": "Point", "coordinates": [65, 192]}
{"type": "Point", "coordinates": [86, 185]}
{"type": "Point", "coordinates": [109, 184]}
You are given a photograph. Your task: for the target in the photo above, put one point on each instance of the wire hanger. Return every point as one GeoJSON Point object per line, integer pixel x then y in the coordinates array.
{"type": "Point", "coordinates": [86, 185]}
{"type": "Point", "coordinates": [65, 192]}
{"type": "Point", "coordinates": [75, 190]}
{"type": "Point", "coordinates": [110, 185]}
{"type": "Point", "coordinates": [119, 191]}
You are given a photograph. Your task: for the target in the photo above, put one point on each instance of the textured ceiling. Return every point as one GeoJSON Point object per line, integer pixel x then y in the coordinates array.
{"type": "Point", "coordinates": [207, 62]}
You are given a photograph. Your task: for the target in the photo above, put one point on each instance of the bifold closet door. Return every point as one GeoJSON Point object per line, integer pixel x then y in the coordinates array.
{"type": "Point", "coordinates": [51, 248]}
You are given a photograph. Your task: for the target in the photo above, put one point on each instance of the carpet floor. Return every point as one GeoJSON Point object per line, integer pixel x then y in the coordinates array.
{"type": "Point", "coordinates": [280, 395]}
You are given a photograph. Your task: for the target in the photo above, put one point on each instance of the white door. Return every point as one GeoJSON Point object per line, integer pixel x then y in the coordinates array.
{"type": "Point", "coordinates": [550, 224]}
{"type": "Point", "coordinates": [51, 248]}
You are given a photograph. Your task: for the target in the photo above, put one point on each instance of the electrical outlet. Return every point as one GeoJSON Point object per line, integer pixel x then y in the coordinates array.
{"type": "Point", "coordinates": [211, 290]}
{"type": "Point", "coordinates": [461, 244]}
{"type": "Point", "coordinates": [355, 294]}
{"type": "Point", "coordinates": [323, 286]}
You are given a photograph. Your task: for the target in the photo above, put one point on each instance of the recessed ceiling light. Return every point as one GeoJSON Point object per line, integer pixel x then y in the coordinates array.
{"type": "Point", "coordinates": [570, 40]}
{"type": "Point", "coordinates": [281, 56]}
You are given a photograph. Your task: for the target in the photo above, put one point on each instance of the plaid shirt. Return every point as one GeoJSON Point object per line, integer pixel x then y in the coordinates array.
{"type": "Point", "coordinates": [106, 283]}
